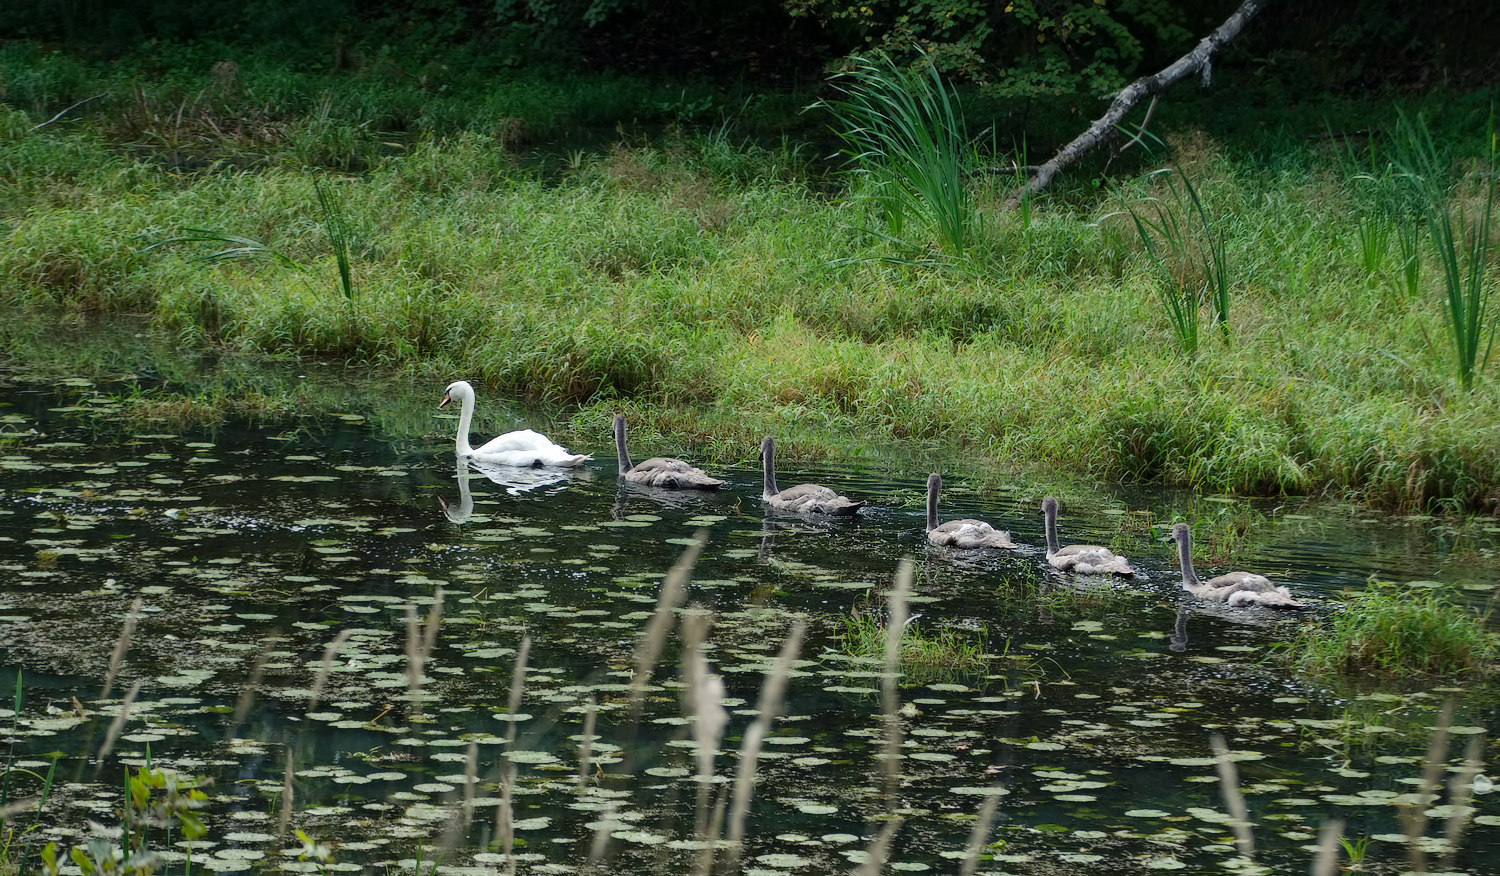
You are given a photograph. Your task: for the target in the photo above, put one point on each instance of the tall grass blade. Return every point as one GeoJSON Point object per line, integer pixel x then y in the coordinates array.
{"type": "Point", "coordinates": [586, 745]}
{"type": "Point", "coordinates": [338, 237]}
{"type": "Point", "coordinates": [1460, 243]}
{"type": "Point", "coordinates": [252, 683]}
{"type": "Point", "coordinates": [1461, 799]}
{"type": "Point", "coordinates": [1414, 815]}
{"type": "Point", "coordinates": [907, 147]}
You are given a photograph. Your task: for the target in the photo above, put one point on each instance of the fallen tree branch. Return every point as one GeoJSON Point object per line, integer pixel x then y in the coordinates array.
{"type": "Point", "coordinates": [68, 110]}
{"type": "Point", "coordinates": [1199, 60]}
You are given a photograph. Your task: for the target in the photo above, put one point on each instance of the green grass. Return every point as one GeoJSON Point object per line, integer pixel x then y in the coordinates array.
{"type": "Point", "coordinates": [1387, 631]}
{"type": "Point", "coordinates": [711, 285]}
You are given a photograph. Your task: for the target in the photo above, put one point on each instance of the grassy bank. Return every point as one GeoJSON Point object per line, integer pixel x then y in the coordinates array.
{"type": "Point", "coordinates": [714, 287]}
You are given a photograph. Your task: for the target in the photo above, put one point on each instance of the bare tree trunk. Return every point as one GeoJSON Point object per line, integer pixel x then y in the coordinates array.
{"type": "Point", "coordinates": [1199, 60]}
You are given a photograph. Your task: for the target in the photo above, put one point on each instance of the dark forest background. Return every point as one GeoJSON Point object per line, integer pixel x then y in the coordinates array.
{"type": "Point", "coordinates": [1347, 46]}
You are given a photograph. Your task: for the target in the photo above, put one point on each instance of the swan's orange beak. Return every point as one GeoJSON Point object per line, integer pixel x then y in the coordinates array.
{"type": "Point", "coordinates": [445, 400]}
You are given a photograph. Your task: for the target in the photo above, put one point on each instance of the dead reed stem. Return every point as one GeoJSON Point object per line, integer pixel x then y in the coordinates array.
{"type": "Point", "coordinates": [121, 646]}
{"type": "Point", "coordinates": [586, 744]}
{"type": "Point", "coordinates": [420, 641]}
{"type": "Point", "coordinates": [118, 723]}
{"type": "Point", "coordinates": [771, 693]}
{"type": "Point", "coordinates": [890, 696]}
{"type": "Point", "coordinates": [284, 818]}
{"type": "Point", "coordinates": [673, 588]}
{"type": "Point", "coordinates": [979, 835]}
{"type": "Point", "coordinates": [1414, 815]}
{"type": "Point", "coordinates": [1327, 860]}
{"type": "Point", "coordinates": [1229, 786]}
{"type": "Point", "coordinates": [247, 694]}
{"type": "Point", "coordinates": [505, 827]}
{"type": "Point", "coordinates": [1461, 799]}
{"type": "Point", "coordinates": [326, 667]}
{"type": "Point", "coordinates": [879, 849]}
{"type": "Point", "coordinates": [703, 704]}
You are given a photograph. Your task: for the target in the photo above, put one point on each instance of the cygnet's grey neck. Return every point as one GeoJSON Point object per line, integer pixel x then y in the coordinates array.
{"type": "Point", "coordinates": [768, 465]}
{"type": "Point", "coordinates": [625, 463]}
{"type": "Point", "coordinates": [1049, 511]}
{"type": "Point", "coordinates": [934, 485]}
{"type": "Point", "coordinates": [1185, 553]}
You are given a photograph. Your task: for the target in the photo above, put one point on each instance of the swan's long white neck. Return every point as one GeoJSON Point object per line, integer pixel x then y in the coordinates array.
{"type": "Point", "coordinates": [1185, 553]}
{"type": "Point", "coordinates": [768, 466]}
{"type": "Point", "coordinates": [625, 463]}
{"type": "Point", "coordinates": [466, 414]}
{"type": "Point", "coordinates": [934, 484]}
{"type": "Point", "coordinates": [1049, 511]}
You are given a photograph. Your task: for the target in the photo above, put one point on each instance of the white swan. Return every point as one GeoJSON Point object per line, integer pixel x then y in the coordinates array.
{"type": "Point", "coordinates": [1085, 558]}
{"type": "Point", "coordinates": [660, 471]}
{"type": "Point", "coordinates": [803, 498]}
{"type": "Point", "coordinates": [960, 533]}
{"type": "Point", "coordinates": [523, 447]}
{"type": "Point", "coordinates": [1234, 588]}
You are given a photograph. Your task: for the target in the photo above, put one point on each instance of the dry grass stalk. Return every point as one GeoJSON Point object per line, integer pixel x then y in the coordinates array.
{"type": "Point", "coordinates": [1326, 862]}
{"type": "Point", "coordinates": [1229, 786]}
{"type": "Point", "coordinates": [1461, 798]}
{"type": "Point", "coordinates": [895, 629]}
{"type": "Point", "coordinates": [673, 589]}
{"type": "Point", "coordinates": [586, 744]}
{"type": "Point", "coordinates": [505, 813]}
{"type": "Point", "coordinates": [879, 849]}
{"type": "Point", "coordinates": [607, 824]}
{"type": "Point", "coordinates": [284, 818]}
{"type": "Point", "coordinates": [123, 645]}
{"type": "Point", "coordinates": [461, 820]}
{"type": "Point", "coordinates": [1414, 814]}
{"type": "Point", "coordinates": [420, 641]}
{"type": "Point", "coordinates": [247, 695]}
{"type": "Point", "coordinates": [326, 667]}
{"type": "Point", "coordinates": [771, 693]}
{"type": "Point", "coordinates": [118, 723]}
{"type": "Point", "coordinates": [703, 703]}
{"type": "Point", "coordinates": [979, 835]}
{"type": "Point", "coordinates": [704, 864]}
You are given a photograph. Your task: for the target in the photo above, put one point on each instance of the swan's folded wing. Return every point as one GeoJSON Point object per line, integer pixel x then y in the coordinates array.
{"type": "Point", "coordinates": [519, 440]}
{"type": "Point", "coordinates": [814, 499]}
{"type": "Point", "coordinates": [669, 473]}
{"type": "Point", "coordinates": [969, 534]}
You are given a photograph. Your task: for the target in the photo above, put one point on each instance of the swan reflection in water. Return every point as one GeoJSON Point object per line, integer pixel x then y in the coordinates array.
{"type": "Point", "coordinates": [1178, 641]}
{"type": "Point", "coordinates": [515, 481]}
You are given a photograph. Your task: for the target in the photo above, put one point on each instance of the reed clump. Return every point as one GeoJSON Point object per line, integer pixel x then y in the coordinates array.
{"type": "Point", "coordinates": [1387, 631]}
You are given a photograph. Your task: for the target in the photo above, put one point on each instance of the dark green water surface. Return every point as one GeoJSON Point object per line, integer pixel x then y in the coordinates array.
{"type": "Point", "coordinates": [251, 548]}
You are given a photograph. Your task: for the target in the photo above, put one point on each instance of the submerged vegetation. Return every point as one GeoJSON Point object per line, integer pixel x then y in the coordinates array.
{"type": "Point", "coordinates": [923, 655]}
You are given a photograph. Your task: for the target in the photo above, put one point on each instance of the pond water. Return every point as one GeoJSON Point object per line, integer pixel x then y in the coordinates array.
{"type": "Point", "coordinates": [252, 548]}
